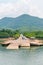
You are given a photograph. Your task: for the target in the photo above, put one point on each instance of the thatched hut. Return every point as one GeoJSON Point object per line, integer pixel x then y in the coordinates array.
{"type": "Point", "coordinates": [22, 41]}
{"type": "Point", "coordinates": [36, 42]}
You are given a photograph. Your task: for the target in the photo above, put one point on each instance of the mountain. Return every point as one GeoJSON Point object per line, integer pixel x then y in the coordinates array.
{"type": "Point", "coordinates": [23, 22]}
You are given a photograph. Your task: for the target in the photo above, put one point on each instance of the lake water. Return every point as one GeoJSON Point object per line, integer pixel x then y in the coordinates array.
{"type": "Point", "coordinates": [32, 56]}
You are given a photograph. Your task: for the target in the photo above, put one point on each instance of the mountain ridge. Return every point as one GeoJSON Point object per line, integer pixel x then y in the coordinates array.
{"type": "Point", "coordinates": [24, 22]}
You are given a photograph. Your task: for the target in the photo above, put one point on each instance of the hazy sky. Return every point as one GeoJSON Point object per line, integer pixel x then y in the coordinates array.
{"type": "Point", "coordinates": [14, 8]}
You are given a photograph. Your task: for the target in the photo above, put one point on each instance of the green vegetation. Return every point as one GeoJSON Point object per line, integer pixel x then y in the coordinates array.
{"type": "Point", "coordinates": [6, 33]}
{"type": "Point", "coordinates": [16, 34]}
{"type": "Point", "coordinates": [29, 34]}
{"type": "Point", "coordinates": [34, 34]}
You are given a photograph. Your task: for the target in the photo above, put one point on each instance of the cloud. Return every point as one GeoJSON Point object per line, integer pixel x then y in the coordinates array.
{"type": "Point", "coordinates": [18, 8]}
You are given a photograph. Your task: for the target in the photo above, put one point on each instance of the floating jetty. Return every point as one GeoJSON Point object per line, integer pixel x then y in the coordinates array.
{"type": "Point", "coordinates": [22, 41]}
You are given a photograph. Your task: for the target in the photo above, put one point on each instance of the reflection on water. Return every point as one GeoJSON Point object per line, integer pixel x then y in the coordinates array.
{"type": "Point", "coordinates": [34, 48]}
{"type": "Point", "coordinates": [30, 56]}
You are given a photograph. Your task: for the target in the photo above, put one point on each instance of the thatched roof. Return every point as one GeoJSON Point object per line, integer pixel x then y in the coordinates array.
{"type": "Point", "coordinates": [36, 42]}
{"type": "Point", "coordinates": [21, 41]}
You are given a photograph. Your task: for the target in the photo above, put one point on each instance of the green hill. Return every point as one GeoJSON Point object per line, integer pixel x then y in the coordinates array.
{"type": "Point", "coordinates": [23, 22]}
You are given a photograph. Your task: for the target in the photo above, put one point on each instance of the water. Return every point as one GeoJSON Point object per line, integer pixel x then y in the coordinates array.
{"type": "Point", "coordinates": [32, 56]}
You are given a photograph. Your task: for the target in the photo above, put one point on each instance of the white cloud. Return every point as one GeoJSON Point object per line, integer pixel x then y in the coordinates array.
{"type": "Point", "coordinates": [18, 8]}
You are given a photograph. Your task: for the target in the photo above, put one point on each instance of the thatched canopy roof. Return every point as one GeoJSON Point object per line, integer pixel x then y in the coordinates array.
{"type": "Point", "coordinates": [21, 41]}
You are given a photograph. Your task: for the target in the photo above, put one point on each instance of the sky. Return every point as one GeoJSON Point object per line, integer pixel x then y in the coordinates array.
{"type": "Point", "coordinates": [15, 8]}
